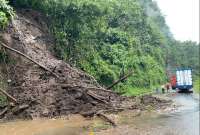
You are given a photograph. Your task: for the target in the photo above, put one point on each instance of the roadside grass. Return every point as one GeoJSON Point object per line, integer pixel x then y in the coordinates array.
{"type": "Point", "coordinates": [197, 85]}
{"type": "Point", "coordinates": [137, 91]}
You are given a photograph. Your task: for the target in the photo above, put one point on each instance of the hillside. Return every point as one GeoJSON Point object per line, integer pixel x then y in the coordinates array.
{"type": "Point", "coordinates": [108, 39]}
{"type": "Point", "coordinates": [42, 85]}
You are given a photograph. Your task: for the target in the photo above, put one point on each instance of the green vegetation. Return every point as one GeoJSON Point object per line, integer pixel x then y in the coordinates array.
{"type": "Point", "coordinates": [184, 54]}
{"type": "Point", "coordinates": [106, 39]}
{"type": "Point", "coordinates": [109, 38]}
{"type": "Point", "coordinates": [197, 85]}
{"type": "Point", "coordinates": [137, 91]}
{"type": "Point", "coordinates": [6, 12]}
{"type": "Point", "coordinates": [3, 100]}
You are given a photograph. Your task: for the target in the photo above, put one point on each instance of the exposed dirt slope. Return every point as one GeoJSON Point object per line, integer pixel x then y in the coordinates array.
{"type": "Point", "coordinates": [46, 96]}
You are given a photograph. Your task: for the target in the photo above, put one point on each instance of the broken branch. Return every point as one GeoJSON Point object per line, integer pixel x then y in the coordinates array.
{"type": "Point", "coordinates": [4, 111]}
{"type": "Point", "coordinates": [96, 97]}
{"type": "Point", "coordinates": [8, 95]}
{"type": "Point", "coordinates": [118, 81]}
{"type": "Point", "coordinates": [20, 108]}
{"type": "Point", "coordinates": [27, 57]}
{"type": "Point", "coordinates": [104, 117]}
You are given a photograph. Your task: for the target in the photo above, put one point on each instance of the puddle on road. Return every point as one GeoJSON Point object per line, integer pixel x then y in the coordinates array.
{"type": "Point", "coordinates": [73, 126]}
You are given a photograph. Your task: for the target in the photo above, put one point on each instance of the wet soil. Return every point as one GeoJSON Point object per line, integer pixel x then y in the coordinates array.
{"type": "Point", "coordinates": [183, 120]}
{"type": "Point", "coordinates": [63, 126]}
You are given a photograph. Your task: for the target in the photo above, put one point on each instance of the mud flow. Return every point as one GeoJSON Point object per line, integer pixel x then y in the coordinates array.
{"type": "Point", "coordinates": [63, 126]}
{"type": "Point", "coordinates": [183, 121]}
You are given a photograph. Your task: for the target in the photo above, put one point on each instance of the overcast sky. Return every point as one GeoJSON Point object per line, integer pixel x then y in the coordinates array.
{"type": "Point", "coordinates": [182, 16]}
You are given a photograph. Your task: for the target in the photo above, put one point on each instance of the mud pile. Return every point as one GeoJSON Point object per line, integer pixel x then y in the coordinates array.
{"type": "Point", "coordinates": [40, 93]}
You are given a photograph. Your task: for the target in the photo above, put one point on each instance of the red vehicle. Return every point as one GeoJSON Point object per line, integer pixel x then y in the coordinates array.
{"type": "Point", "coordinates": [173, 81]}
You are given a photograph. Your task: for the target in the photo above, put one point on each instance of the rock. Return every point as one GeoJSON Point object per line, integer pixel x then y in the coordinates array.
{"type": "Point", "coordinates": [45, 112]}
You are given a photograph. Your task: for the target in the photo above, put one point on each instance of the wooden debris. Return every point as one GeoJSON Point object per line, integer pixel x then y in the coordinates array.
{"type": "Point", "coordinates": [104, 117]}
{"type": "Point", "coordinates": [89, 88]}
{"type": "Point", "coordinates": [96, 97]}
{"type": "Point", "coordinates": [88, 114]}
{"type": "Point", "coordinates": [20, 108]}
{"type": "Point", "coordinates": [8, 95]}
{"type": "Point", "coordinates": [118, 81]}
{"type": "Point", "coordinates": [4, 111]}
{"type": "Point", "coordinates": [27, 57]}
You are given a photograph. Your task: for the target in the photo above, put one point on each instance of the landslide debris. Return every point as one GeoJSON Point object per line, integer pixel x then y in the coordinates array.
{"type": "Point", "coordinates": [40, 93]}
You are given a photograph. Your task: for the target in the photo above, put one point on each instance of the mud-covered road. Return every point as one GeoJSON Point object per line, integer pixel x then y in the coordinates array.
{"type": "Point", "coordinates": [181, 121]}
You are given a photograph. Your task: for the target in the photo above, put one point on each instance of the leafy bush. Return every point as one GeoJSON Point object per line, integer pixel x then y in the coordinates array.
{"type": "Point", "coordinates": [3, 20]}
{"type": "Point", "coordinates": [6, 12]}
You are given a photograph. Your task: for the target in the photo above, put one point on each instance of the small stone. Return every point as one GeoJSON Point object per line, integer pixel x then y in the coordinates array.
{"type": "Point", "coordinates": [9, 81]}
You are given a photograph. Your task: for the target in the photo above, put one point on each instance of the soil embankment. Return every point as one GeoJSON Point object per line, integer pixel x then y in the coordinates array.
{"type": "Point", "coordinates": [65, 90]}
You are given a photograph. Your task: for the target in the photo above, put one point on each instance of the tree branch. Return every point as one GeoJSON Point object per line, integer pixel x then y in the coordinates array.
{"type": "Point", "coordinates": [30, 59]}
{"type": "Point", "coordinates": [8, 95]}
{"type": "Point", "coordinates": [118, 81]}
{"type": "Point", "coordinates": [104, 117]}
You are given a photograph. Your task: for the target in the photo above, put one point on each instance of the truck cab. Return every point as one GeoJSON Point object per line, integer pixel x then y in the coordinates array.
{"type": "Point", "coordinates": [173, 81]}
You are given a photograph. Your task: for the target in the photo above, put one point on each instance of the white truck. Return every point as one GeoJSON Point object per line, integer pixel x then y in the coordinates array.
{"type": "Point", "coordinates": [184, 79]}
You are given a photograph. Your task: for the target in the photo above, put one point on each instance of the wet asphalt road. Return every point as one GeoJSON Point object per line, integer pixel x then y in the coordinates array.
{"type": "Point", "coordinates": [184, 121]}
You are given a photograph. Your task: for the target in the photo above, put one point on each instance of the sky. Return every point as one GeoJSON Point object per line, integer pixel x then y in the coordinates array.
{"type": "Point", "coordinates": [182, 17]}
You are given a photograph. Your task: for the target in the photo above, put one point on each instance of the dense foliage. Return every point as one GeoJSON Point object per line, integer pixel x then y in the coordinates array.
{"type": "Point", "coordinates": [108, 38]}
{"type": "Point", "coordinates": [184, 54]}
{"type": "Point", "coordinates": [6, 12]}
